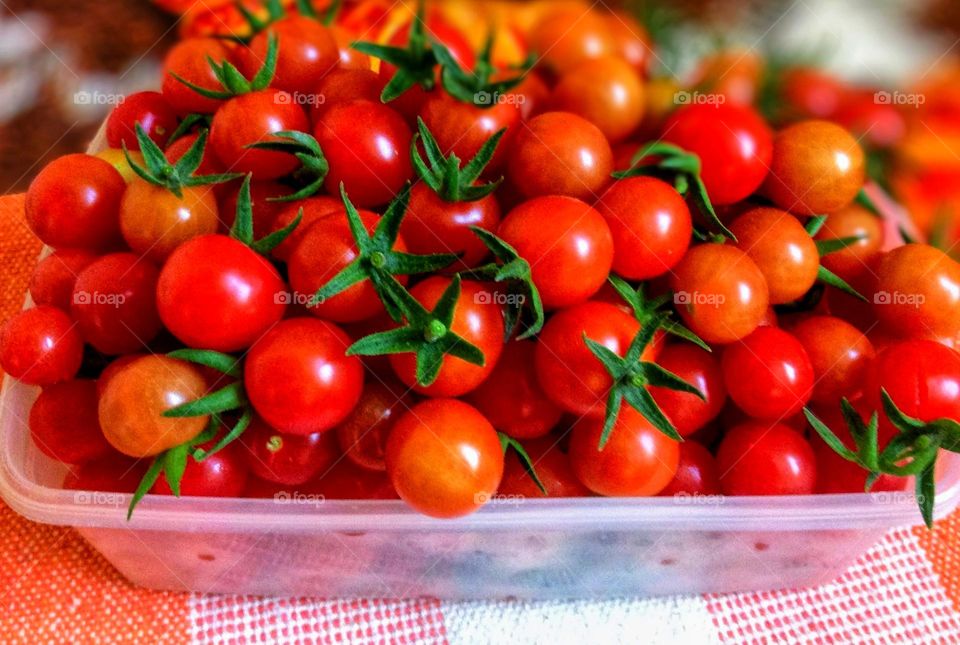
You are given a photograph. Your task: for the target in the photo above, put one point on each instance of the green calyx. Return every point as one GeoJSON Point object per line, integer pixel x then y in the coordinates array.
{"type": "Point", "coordinates": [826, 247]}
{"type": "Point", "coordinates": [515, 271]}
{"type": "Point", "coordinates": [631, 379]}
{"type": "Point", "coordinates": [477, 86]}
{"type": "Point", "coordinates": [912, 452]}
{"type": "Point", "coordinates": [646, 310]}
{"type": "Point", "coordinates": [235, 83]}
{"type": "Point", "coordinates": [684, 168]}
{"type": "Point", "coordinates": [242, 228]}
{"type": "Point", "coordinates": [313, 165]}
{"type": "Point", "coordinates": [506, 443]}
{"type": "Point", "coordinates": [427, 334]}
{"type": "Point", "coordinates": [275, 10]}
{"type": "Point", "coordinates": [376, 259]}
{"type": "Point", "coordinates": [443, 174]}
{"type": "Point", "coordinates": [174, 177]}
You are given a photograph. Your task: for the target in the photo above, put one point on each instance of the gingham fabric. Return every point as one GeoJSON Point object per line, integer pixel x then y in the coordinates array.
{"type": "Point", "coordinates": [56, 588]}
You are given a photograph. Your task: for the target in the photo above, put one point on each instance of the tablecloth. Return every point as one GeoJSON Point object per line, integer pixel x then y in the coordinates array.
{"type": "Point", "coordinates": [55, 587]}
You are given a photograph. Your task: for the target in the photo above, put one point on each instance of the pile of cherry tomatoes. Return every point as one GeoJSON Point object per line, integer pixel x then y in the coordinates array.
{"type": "Point", "coordinates": [402, 268]}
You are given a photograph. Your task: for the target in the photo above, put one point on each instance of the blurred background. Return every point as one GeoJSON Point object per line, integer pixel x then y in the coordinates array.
{"type": "Point", "coordinates": [60, 62]}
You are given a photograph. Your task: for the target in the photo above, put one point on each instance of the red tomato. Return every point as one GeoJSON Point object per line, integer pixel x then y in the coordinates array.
{"type": "Point", "coordinates": [720, 292]}
{"type": "Point", "coordinates": [64, 423]}
{"type": "Point", "coordinates": [511, 397]}
{"type": "Point", "coordinates": [608, 92]}
{"type": "Point", "coordinates": [188, 60]}
{"type": "Point", "coordinates": [150, 111]}
{"type": "Point", "coordinates": [223, 474]}
{"type": "Point", "coordinates": [253, 118]}
{"type": "Point", "coordinates": [567, 243]}
{"type": "Point", "coordinates": [75, 202]}
{"type": "Point", "coordinates": [288, 459]}
{"type": "Point", "coordinates": [552, 466]}
{"type": "Point", "coordinates": [813, 92]}
{"type": "Point", "coordinates": [637, 461]}
{"type": "Point", "coordinates": [766, 459]}
{"type": "Point", "coordinates": [314, 209]}
{"type": "Point", "coordinates": [154, 221]}
{"type": "Point", "coordinates": [696, 473]}
{"type": "Point", "coordinates": [368, 147]}
{"type": "Point", "coordinates": [841, 356]}
{"type": "Point", "coordinates": [344, 85]}
{"type": "Point", "coordinates": [567, 35]}
{"type": "Point", "coordinates": [434, 225]}
{"type": "Point", "coordinates": [54, 276]}
{"type": "Point", "coordinates": [306, 51]}
{"type": "Point", "coordinates": [768, 374]}
{"type": "Point", "coordinates": [112, 474]}
{"type": "Point", "coordinates": [570, 375]}
{"type": "Point", "coordinates": [444, 458]}
{"type": "Point", "coordinates": [559, 153]}
{"type": "Point", "coordinates": [650, 224]}
{"type": "Point", "coordinates": [477, 319]}
{"type": "Point", "coordinates": [350, 58]}
{"type": "Point", "coordinates": [921, 376]}
{"type": "Point", "coordinates": [363, 435]}
{"type": "Point", "coordinates": [462, 128]}
{"type": "Point", "coordinates": [880, 124]}
{"type": "Point", "coordinates": [321, 383]}
{"type": "Point", "coordinates": [114, 303]}
{"type": "Point", "coordinates": [700, 368]}
{"type": "Point", "coordinates": [226, 307]}
{"type": "Point", "coordinates": [733, 142]}
{"type": "Point", "coordinates": [346, 480]}
{"type": "Point", "coordinates": [854, 261]}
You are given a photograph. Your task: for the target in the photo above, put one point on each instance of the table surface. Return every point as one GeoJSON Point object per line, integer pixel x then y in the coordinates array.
{"type": "Point", "coordinates": [56, 587]}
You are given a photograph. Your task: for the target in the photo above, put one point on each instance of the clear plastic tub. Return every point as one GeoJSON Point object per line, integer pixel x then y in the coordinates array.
{"type": "Point", "coordinates": [301, 545]}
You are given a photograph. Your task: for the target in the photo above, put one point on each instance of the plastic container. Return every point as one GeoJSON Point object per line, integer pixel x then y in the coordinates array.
{"type": "Point", "coordinates": [301, 545]}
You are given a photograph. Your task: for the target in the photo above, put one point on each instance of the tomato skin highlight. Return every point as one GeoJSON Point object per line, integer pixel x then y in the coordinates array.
{"type": "Point", "coordinates": [226, 309]}
{"type": "Point", "coordinates": [444, 458]}
{"type": "Point", "coordinates": [321, 383]}
{"type": "Point", "coordinates": [765, 459]}
{"type": "Point", "coordinates": [567, 243]}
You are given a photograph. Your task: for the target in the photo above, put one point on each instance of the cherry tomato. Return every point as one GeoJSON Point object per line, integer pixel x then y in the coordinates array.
{"type": "Point", "coordinates": [111, 474]}
{"type": "Point", "coordinates": [363, 434]}
{"type": "Point", "coordinates": [532, 95]}
{"type": "Point", "coordinates": [720, 292]}
{"type": "Point", "coordinates": [559, 153]}
{"type": "Point", "coordinates": [118, 160]}
{"type": "Point", "coordinates": [367, 145]}
{"type": "Point", "coordinates": [150, 111]}
{"type": "Point", "coordinates": [783, 250]}
{"type": "Point", "coordinates": [350, 58]}
{"type": "Point", "coordinates": [223, 307]}
{"type": "Point", "coordinates": [321, 383]}
{"type": "Point", "coordinates": [511, 397]}
{"type": "Point", "coordinates": [253, 118]}
{"type": "Point", "coordinates": [852, 262]}
{"type": "Point", "coordinates": [133, 401]}
{"type": "Point", "coordinates": [222, 474]}
{"type": "Point", "coordinates": [75, 202]}
{"type": "Point", "coordinates": [114, 303]}
{"type": "Point", "coordinates": [813, 93]}
{"type": "Point", "coordinates": [306, 50]}
{"type": "Point", "coordinates": [314, 209]}
{"type": "Point", "coordinates": [700, 368]}
{"type": "Point", "coordinates": [321, 253]}
{"type": "Point", "coordinates": [733, 142]}
{"type": "Point", "coordinates": [766, 459]}
{"type": "Point", "coordinates": [921, 376]}
{"type": "Point", "coordinates": [552, 466]}
{"type": "Point", "coordinates": [607, 92]}
{"type": "Point", "coordinates": [434, 225]}
{"type": "Point", "coordinates": [650, 224]}
{"type": "Point", "coordinates": [918, 292]}
{"type": "Point", "coordinates": [188, 60]}
{"type": "Point", "coordinates": [288, 459]}
{"type": "Point", "coordinates": [637, 460]}
{"type": "Point", "coordinates": [768, 374]}
{"type": "Point", "coordinates": [343, 85]}
{"type": "Point", "coordinates": [570, 375]}
{"type": "Point", "coordinates": [265, 209]}
{"type": "Point", "coordinates": [444, 458]}
{"type": "Point", "coordinates": [477, 319]}
{"type": "Point", "coordinates": [630, 39]}
{"type": "Point", "coordinates": [154, 221]}
{"type": "Point", "coordinates": [346, 480]}
{"type": "Point", "coordinates": [112, 368]}
{"type": "Point", "coordinates": [571, 34]}
{"type": "Point", "coordinates": [817, 168]}
{"type": "Point", "coordinates": [696, 473]}
{"type": "Point", "coordinates": [840, 355]}
{"type": "Point", "coordinates": [53, 279]}
{"type": "Point", "coordinates": [567, 243]}
{"type": "Point", "coordinates": [462, 128]}
{"type": "Point", "coordinates": [880, 125]}
{"type": "Point", "coordinates": [64, 424]}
